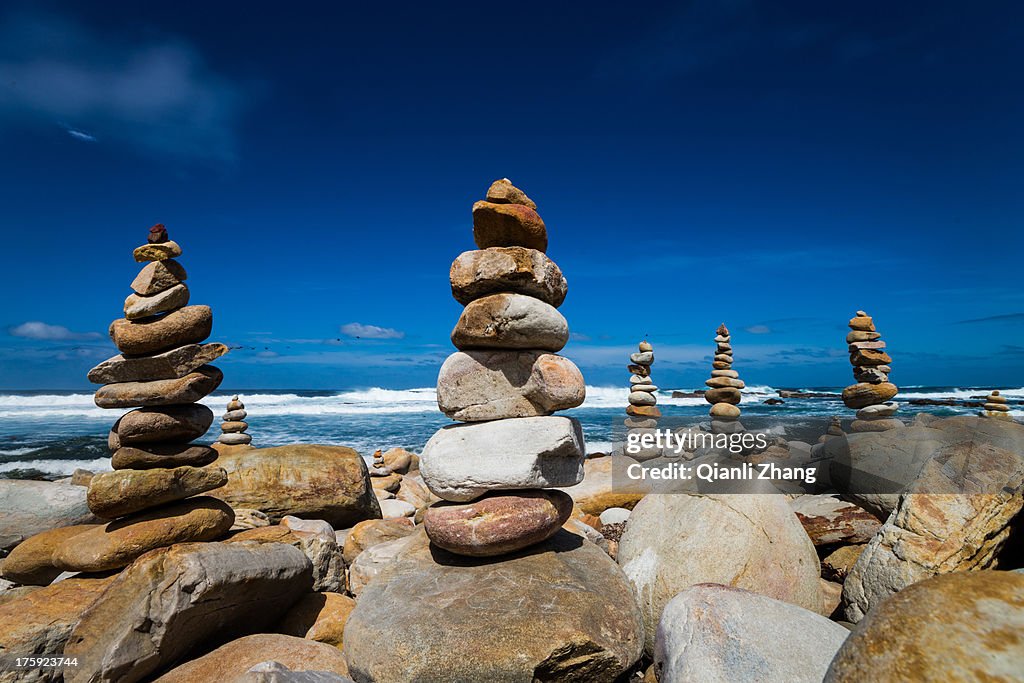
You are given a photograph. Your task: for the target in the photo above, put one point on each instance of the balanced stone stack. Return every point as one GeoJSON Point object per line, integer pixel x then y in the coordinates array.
{"type": "Point", "coordinates": [643, 402]}
{"type": "Point", "coordinates": [870, 396]}
{"type": "Point", "coordinates": [233, 425]}
{"type": "Point", "coordinates": [834, 431]}
{"type": "Point", "coordinates": [724, 387]}
{"type": "Point", "coordinates": [505, 381]}
{"type": "Point", "coordinates": [996, 407]}
{"type": "Point", "coordinates": [162, 371]}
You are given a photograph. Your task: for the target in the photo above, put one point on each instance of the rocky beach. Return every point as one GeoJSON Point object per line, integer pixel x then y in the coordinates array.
{"type": "Point", "coordinates": [492, 534]}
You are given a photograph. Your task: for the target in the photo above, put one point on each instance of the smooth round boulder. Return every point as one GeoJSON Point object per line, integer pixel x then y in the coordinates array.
{"type": "Point", "coordinates": [136, 306]}
{"type": "Point", "coordinates": [862, 323]}
{"type": "Point", "coordinates": [188, 325]}
{"type": "Point", "coordinates": [123, 492]}
{"type": "Point", "coordinates": [862, 394]}
{"type": "Point", "coordinates": [475, 386]}
{"type": "Point", "coordinates": [371, 532]}
{"type": "Point", "coordinates": [117, 544]}
{"type": "Point", "coordinates": [751, 541]}
{"type": "Point", "coordinates": [233, 426]}
{"type": "Point", "coordinates": [235, 439]}
{"type": "Point", "coordinates": [508, 225]}
{"type": "Point", "coordinates": [723, 395]}
{"type": "Point", "coordinates": [869, 357]}
{"type": "Point", "coordinates": [875, 425]}
{"type": "Point", "coordinates": [478, 273]}
{"type": "Point", "coordinates": [717, 634]}
{"type": "Point", "coordinates": [725, 411]}
{"type": "Point", "coordinates": [718, 382]}
{"type": "Point", "coordinates": [234, 416]}
{"type": "Point", "coordinates": [510, 321]}
{"type": "Point", "coordinates": [166, 423]}
{"type": "Point", "coordinates": [464, 461]}
{"type": "Point", "coordinates": [158, 276]}
{"type": "Point", "coordinates": [642, 398]}
{"type": "Point", "coordinates": [162, 392]}
{"type": "Point", "coordinates": [963, 626]}
{"type": "Point", "coordinates": [163, 455]}
{"type": "Point", "coordinates": [558, 611]}
{"type": "Point", "coordinates": [498, 523]}
{"type": "Point", "coordinates": [296, 659]}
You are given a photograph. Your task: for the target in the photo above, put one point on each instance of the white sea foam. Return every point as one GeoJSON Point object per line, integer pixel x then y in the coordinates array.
{"type": "Point", "coordinates": [57, 467]}
{"type": "Point", "coordinates": [19, 451]}
{"type": "Point", "coordinates": [959, 393]}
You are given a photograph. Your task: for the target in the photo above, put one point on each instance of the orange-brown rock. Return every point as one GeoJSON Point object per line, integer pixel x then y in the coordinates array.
{"type": "Point", "coordinates": [508, 225]}
{"type": "Point", "coordinates": [31, 562]}
{"type": "Point", "coordinates": [188, 325]}
{"type": "Point", "coordinates": [320, 617]}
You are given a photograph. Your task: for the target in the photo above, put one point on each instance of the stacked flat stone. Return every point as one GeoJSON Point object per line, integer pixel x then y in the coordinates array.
{"type": "Point", "coordinates": [162, 371]}
{"type": "Point", "coordinates": [504, 383]}
{"type": "Point", "coordinates": [871, 394]}
{"type": "Point", "coordinates": [996, 407]}
{"type": "Point", "coordinates": [724, 386]}
{"type": "Point", "coordinates": [834, 431]}
{"type": "Point", "coordinates": [233, 425]}
{"type": "Point", "coordinates": [643, 402]}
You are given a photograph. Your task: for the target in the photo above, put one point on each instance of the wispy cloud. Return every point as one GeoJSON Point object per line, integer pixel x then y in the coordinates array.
{"type": "Point", "coordinates": [79, 135]}
{"type": "Point", "coordinates": [758, 329]}
{"type": "Point", "coordinates": [43, 331]}
{"type": "Point", "coordinates": [1005, 318]}
{"type": "Point", "coordinates": [361, 331]}
{"type": "Point", "coordinates": [159, 96]}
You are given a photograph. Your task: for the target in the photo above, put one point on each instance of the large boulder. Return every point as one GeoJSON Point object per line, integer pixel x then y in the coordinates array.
{"type": "Point", "coordinates": [30, 507]}
{"type": "Point", "coordinates": [508, 225]}
{"type": "Point", "coordinates": [956, 516]}
{"type": "Point", "coordinates": [751, 541]}
{"type": "Point", "coordinates": [320, 617]}
{"type": "Point", "coordinates": [559, 611]}
{"type": "Point", "coordinates": [369, 563]}
{"type": "Point", "coordinates": [474, 386]}
{"type": "Point", "coordinates": [964, 626]}
{"type": "Point", "coordinates": [160, 392]}
{"type": "Point", "coordinates": [715, 634]}
{"type": "Point", "coordinates": [174, 599]}
{"type": "Point", "coordinates": [188, 325]}
{"type": "Point", "coordinates": [231, 661]}
{"type": "Point", "coordinates": [476, 274]}
{"type": "Point", "coordinates": [166, 423]}
{"type": "Point", "coordinates": [40, 622]}
{"type": "Point", "coordinates": [118, 543]}
{"type": "Point", "coordinates": [371, 532]}
{"type": "Point", "coordinates": [321, 549]}
{"type": "Point", "coordinates": [464, 461]}
{"type": "Point", "coordinates": [330, 483]}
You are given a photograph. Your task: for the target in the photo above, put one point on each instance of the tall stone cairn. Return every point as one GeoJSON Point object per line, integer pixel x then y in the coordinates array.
{"type": "Point", "coordinates": [233, 425]}
{"type": "Point", "coordinates": [643, 402]}
{"type": "Point", "coordinates": [996, 407]}
{"type": "Point", "coordinates": [504, 384]}
{"type": "Point", "coordinates": [724, 386]}
{"type": "Point", "coordinates": [871, 394]}
{"type": "Point", "coordinates": [162, 371]}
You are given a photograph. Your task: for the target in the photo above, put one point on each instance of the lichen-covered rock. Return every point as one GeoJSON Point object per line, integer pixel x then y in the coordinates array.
{"type": "Point", "coordinates": [956, 516]}
{"type": "Point", "coordinates": [963, 626]}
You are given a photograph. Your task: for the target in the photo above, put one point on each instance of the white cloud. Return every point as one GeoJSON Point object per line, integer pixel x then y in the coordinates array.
{"type": "Point", "coordinates": [39, 330]}
{"type": "Point", "coordinates": [361, 331]}
{"type": "Point", "coordinates": [758, 329]}
{"type": "Point", "coordinates": [158, 96]}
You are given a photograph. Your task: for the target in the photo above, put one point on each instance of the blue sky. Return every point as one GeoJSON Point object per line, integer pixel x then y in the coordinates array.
{"type": "Point", "coordinates": [776, 166]}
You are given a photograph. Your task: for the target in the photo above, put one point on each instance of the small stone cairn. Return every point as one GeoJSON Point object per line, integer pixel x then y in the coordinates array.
{"type": "Point", "coordinates": [233, 425]}
{"type": "Point", "coordinates": [724, 387]}
{"type": "Point", "coordinates": [504, 383]}
{"type": "Point", "coordinates": [870, 396]}
{"type": "Point", "coordinates": [643, 401]}
{"type": "Point", "coordinates": [162, 373]}
{"type": "Point", "coordinates": [996, 407]}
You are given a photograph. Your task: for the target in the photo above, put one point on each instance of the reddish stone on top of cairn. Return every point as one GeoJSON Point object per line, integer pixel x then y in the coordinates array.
{"type": "Point", "coordinates": [643, 402]}
{"type": "Point", "coordinates": [162, 373]}
{"type": "Point", "coordinates": [871, 369]}
{"type": "Point", "coordinates": [996, 407]}
{"type": "Point", "coordinates": [233, 425]}
{"type": "Point", "coordinates": [724, 387]}
{"type": "Point", "coordinates": [504, 383]}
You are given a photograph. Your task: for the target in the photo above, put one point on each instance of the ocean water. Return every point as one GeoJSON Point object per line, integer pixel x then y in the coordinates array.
{"type": "Point", "coordinates": [47, 434]}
